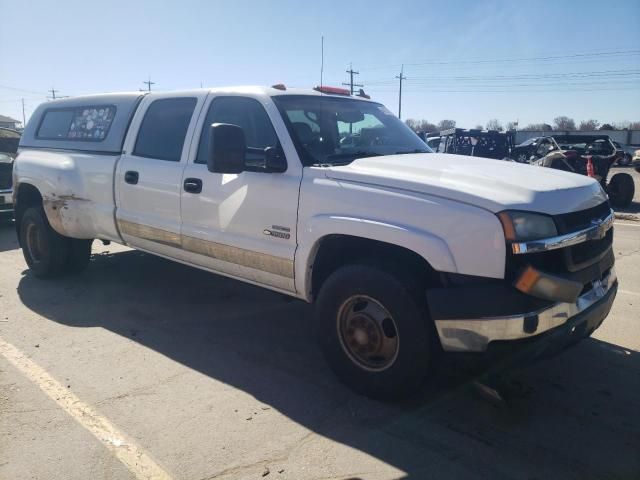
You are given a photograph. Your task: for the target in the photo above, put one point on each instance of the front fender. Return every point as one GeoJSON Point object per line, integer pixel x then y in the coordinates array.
{"type": "Point", "coordinates": [429, 246]}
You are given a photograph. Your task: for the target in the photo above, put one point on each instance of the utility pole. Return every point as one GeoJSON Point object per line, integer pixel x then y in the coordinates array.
{"type": "Point", "coordinates": [53, 93]}
{"type": "Point", "coordinates": [401, 77]}
{"type": "Point", "coordinates": [148, 83]}
{"type": "Point", "coordinates": [351, 73]}
{"type": "Point", "coordinates": [24, 118]}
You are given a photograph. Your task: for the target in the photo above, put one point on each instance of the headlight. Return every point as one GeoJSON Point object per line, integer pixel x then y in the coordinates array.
{"type": "Point", "coordinates": [523, 226]}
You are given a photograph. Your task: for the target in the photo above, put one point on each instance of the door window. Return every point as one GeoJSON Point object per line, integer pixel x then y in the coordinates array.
{"type": "Point", "coordinates": [246, 113]}
{"type": "Point", "coordinates": [164, 127]}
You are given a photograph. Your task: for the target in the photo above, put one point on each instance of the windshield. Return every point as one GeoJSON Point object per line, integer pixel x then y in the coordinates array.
{"type": "Point", "coordinates": [529, 142]}
{"type": "Point", "coordinates": [330, 130]}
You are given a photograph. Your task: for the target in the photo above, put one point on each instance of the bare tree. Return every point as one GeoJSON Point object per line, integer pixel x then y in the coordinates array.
{"type": "Point", "coordinates": [420, 125]}
{"type": "Point", "coordinates": [588, 125]}
{"type": "Point", "coordinates": [564, 123]}
{"type": "Point", "coordinates": [446, 124]}
{"type": "Point", "coordinates": [511, 126]}
{"type": "Point", "coordinates": [606, 126]}
{"type": "Point", "coordinates": [412, 124]}
{"type": "Point", "coordinates": [494, 124]}
{"type": "Point", "coordinates": [479, 127]}
{"type": "Point", "coordinates": [427, 126]}
{"type": "Point", "coordinates": [542, 127]}
{"type": "Point", "coordinates": [634, 126]}
{"type": "Point", "coordinates": [624, 125]}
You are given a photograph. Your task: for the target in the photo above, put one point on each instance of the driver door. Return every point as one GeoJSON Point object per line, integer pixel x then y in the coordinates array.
{"type": "Point", "coordinates": [243, 225]}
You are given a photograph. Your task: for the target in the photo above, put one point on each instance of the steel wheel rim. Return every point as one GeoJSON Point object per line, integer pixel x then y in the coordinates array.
{"type": "Point", "coordinates": [35, 243]}
{"type": "Point", "coordinates": [368, 333]}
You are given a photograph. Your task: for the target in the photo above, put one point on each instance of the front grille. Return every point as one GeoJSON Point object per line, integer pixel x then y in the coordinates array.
{"type": "Point", "coordinates": [582, 262]}
{"type": "Point", "coordinates": [574, 221]}
{"type": "Point", "coordinates": [587, 251]}
{"type": "Point", "coordinates": [6, 181]}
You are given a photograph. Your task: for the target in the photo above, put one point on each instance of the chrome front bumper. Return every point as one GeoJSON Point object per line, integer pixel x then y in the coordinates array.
{"type": "Point", "coordinates": [474, 335]}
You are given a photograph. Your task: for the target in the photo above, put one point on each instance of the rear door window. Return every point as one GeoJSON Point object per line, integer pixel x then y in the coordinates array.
{"type": "Point", "coordinates": [164, 127]}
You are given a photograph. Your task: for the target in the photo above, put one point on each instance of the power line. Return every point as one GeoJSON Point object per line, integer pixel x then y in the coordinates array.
{"type": "Point", "coordinates": [401, 77]}
{"type": "Point", "coordinates": [572, 75]}
{"type": "Point", "coordinates": [21, 90]}
{"type": "Point", "coordinates": [554, 90]}
{"type": "Point", "coordinates": [512, 60]}
{"type": "Point", "coordinates": [351, 73]}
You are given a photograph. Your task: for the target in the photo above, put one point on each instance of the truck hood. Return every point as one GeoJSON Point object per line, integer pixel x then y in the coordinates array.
{"type": "Point", "coordinates": [494, 185]}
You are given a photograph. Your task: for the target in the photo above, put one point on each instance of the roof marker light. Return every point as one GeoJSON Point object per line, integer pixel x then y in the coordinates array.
{"type": "Point", "coordinates": [332, 90]}
{"type": "Point", "coordinates": [279, 86]}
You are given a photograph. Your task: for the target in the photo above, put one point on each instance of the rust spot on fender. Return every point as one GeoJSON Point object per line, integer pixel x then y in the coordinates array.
{"type": "Point", "coordinates": [54, 207]}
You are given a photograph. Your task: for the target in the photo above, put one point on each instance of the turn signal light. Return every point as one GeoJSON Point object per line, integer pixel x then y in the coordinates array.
{"type": "Point", "coordinates": [548, 287]}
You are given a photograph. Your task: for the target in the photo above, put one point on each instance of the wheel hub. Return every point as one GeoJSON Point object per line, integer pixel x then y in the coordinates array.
{"type": "Point", "coordinates": [368, 333]}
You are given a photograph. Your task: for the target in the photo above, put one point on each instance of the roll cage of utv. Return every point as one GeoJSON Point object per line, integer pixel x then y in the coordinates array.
{"type": "Point", "coordinates": [475, 143]}
{"type": "Point", "coordinates": [591, 155]}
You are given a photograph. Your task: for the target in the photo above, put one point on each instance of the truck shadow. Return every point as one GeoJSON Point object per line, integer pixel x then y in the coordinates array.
{"type": "Point", "coordinates": [573, 416]}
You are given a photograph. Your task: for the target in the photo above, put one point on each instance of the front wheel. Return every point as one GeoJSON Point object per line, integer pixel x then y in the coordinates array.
{"type": "Point", "coordinates": [373, 330]}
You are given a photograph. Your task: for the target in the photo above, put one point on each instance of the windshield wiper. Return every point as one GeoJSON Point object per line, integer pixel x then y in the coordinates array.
{"type": "Point", "coordinates": [359, 153]}
{"type": "Point", "coordinates": [416, 150]}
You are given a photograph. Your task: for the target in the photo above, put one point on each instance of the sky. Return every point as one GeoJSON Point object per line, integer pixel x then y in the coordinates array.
{"type": "Point", "coordinates": [469, 61]}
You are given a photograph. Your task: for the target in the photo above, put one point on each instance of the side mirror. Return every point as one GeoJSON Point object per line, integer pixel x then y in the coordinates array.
{"type": "Point", "coordinates": [274, 160]}
{"type": "Point", "coordinates": [227, 148]}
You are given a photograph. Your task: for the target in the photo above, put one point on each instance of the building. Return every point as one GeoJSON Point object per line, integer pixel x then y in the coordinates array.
{"type": "Point", "coordinates": [8, 122]}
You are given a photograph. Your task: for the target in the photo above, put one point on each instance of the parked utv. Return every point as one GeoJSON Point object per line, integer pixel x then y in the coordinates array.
{"type": "Point", "coordinates": [522, 152]}
{"type": "Point", "coordinates": [591, 155]}
{"type": "Point", "coordinates": [474, 143]}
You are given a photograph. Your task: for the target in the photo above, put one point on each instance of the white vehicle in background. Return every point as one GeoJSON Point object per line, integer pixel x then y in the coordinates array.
{"type": "Point", "coordinates": [330, 199]}
{"type": "Point", "coordinates": [8, 147]}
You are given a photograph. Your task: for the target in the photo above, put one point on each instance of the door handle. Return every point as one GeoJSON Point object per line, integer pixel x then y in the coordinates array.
{"type": "Point", "coordinates": [131, 177]}
{"type": "Point", "coordinates": [192, 185]}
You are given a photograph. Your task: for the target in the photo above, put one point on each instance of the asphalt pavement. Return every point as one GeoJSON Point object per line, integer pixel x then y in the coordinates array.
{"type": "Point", "coordinates": [144, 368]}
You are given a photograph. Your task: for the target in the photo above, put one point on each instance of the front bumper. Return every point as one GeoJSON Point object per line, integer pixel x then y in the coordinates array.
{"type": "Point", "coordinates": [6, 201]}
{"type": "Point", "coordinates": [475, 334]}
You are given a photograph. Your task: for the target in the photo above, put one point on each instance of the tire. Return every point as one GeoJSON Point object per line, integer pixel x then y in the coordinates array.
{"type": "Point", "coordinates": [522, 158]}
{"type": "Point", "coordinates": [387, 362]}
{"type": "Point", "coordinates": [621, 190]}
{"type": "Point", "coordinates": [79, 255]}
{"type": "Point", "coordinates": [45, 250]}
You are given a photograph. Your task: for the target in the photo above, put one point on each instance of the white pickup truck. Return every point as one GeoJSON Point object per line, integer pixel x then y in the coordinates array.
{"type": "Point", "coordinates": [331, 199]}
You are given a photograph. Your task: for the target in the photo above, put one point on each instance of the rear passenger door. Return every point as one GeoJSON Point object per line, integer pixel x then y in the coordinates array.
{"type": "Point", "coordinates": [149, 174]}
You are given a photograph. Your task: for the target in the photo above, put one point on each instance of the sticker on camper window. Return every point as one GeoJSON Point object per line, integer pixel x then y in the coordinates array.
{"type": "Point", "coordinates": [90, 123]}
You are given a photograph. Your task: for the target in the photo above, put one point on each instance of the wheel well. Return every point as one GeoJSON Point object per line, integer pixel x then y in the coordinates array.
{"type": "Point", "coordinates": [336, 251]}
{"type": "Point", "coordinates": [27, 196]}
